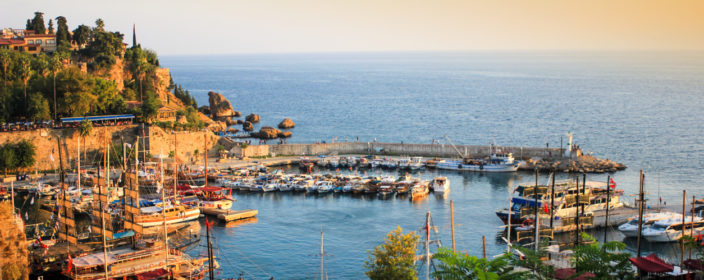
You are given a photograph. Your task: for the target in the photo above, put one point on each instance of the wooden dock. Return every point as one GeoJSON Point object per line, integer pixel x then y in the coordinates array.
{"type": "Point", "coordinates": [228, 215]}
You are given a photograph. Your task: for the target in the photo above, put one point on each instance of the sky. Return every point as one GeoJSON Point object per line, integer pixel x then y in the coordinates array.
{"type": "Point", "coordinates": [173, 27]}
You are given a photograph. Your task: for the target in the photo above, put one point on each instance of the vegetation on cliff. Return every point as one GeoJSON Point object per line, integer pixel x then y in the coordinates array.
{"type": "Point", "coordinates": [14, 156]}
{"type": "Point", "coordinates": [79, 78]}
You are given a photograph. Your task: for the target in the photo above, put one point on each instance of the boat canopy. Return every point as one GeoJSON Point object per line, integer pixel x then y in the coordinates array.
{"type": "Point", "coordinates": [652, 264]}
{"type": "Point", "coordinates": [525, 201]}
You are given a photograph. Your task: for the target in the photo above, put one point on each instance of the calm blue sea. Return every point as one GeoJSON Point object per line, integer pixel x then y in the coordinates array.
{"type": "Point", "coordinates": [644, 109]}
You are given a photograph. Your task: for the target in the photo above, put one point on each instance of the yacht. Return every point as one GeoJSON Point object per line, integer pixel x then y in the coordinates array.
{"type": "Point", "coordinates": [671, 230]}
{"type": "Point", "coordinates": [497, 162]}
{"type": "Point", "coordinates": [630, 228]}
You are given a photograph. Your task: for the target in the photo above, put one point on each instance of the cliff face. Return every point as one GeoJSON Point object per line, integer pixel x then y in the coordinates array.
{"type": "Point", "coordinates": [13, 245]}
{"type": "Point", "coordinates": [220, 107]}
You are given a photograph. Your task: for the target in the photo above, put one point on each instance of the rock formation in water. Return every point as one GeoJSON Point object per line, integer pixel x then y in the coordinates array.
{"type": "Point", "coordinates": [267, 132]}
{"type": "Point", "coordinates": [285, 134]}
{"type": "Point", "coordinates": [286, 124]}
{"type": "Point", "coordinates": [253, 118]}
{"type": "Point", "coordinates": [219, 106]}
{"type": "Point", "coordinates": [247, 126]}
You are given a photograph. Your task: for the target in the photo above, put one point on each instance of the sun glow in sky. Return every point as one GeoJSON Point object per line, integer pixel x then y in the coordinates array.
{"type": "Point", "coordinates": [266, 26]}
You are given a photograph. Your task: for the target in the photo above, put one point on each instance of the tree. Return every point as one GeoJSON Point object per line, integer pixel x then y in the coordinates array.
{"type": "Point", "coordinates": [5, 60]}
{"type": "Point", "coordinates": [28, 26]}
{"type": "Point", "coordinates": [62, 37]}
{"type": "Point", "coordinates": [99, 25]}
{"type": "Point", "coordinates": [25, 71]}
{"type": "Point", "coordinates": [37, 23]}
{"type": "Point", "coordinates": [394, 258]}
{"type": "Point", "coordinates": [51, 26]}
{"type": "Point", "coordinates": [7, 157]}
{"type": "Point", "coordinates": [606, 261]}
{"type": "Point", "coordinates": [38, 109]}
{"type": "Point", "coordinates": [81, 35]}
{"type": "Point", "coordinates": [462, 266]}
{"type": "Point", "coordinates": [25, 153]}
{"type": "Point", "coordinates": [55, 65]}
{"type": "Point", "coordinates": [150, 107]}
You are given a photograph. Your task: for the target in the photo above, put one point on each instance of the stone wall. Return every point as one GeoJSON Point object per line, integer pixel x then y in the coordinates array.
{"type": "Point", "coordinates": [426, 150]}
{"type": "Point", "coordinates": [14, 255]}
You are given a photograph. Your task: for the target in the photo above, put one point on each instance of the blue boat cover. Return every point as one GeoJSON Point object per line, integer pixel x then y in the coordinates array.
{"type": "Point", "coordinates": [525, 201]}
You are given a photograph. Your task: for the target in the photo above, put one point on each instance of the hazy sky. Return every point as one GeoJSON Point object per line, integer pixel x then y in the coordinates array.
{"type": "Point", "coordinates": [264, 26]}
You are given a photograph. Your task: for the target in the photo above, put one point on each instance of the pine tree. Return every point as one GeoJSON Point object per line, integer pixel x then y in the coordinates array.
{"type": "Point", "coordinates": [62, 37]}
{"type": "Point", "coordinates": [29, 25]}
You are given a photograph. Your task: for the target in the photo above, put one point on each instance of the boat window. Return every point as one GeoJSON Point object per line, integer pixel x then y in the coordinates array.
{"type": "Point", "coordinates": [659, 227]}
{"type": "Point", "coordinates": [516, 207]}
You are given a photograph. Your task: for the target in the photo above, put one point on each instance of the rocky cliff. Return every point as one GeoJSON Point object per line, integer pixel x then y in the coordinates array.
{"type": "Point", "coordinates": [13, 245]}
{"type": "Point", "coordinates": [220, 107]}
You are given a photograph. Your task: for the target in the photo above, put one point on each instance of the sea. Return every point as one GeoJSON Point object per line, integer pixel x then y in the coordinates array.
{"type": "Point", "coordinates": [643, 109]}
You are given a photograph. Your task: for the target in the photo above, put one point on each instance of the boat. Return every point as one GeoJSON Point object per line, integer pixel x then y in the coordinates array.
{"type": "Point", "coordinates": [324, 187]}
{"type": "Point", "coordinates": [285, 186]}
{"type": "Point", "coordinates": [440, 184]}
{"type": "Point", "coordinates": [270, 187]}
{"type": "Point", "coordinates": [152, 216]}
{"type": "Point", "coordinates": [497, 162]}
{"type": "Point", "coordinates": [419, 190]}
{"type": "Point", "coordinates": [403, 188]}
{"type": "Point", "coordinates": [385, 190]}
{"type": "Point", "coordinates": [416, 163]}
{"type": "Point", "coordinates": [630, 228]}
{"type": "Point", "coordinates": [592, 198]}
{"type": "Point", "coordinates": [671, 230]}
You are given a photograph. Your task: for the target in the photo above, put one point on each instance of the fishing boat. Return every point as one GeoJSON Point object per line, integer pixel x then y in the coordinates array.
{"type": "Point", "coordinates": [670, 230]}
{"type": "Point", "coordinates": [270, 187]}
{"type": "Point", "coordinates": [440, 184]}
{"type": "Point", "coordinates": [403, 188]}
{"type": "Point", "coordinates": [419, 190]}
{"type": "Point", "coordinates": [324, 187]}
{"type": "Point", "coordinates": [385, 190]}
{"type": "Point", "coordinates": [416, 163]}
{"type": "Point", "coordinates": [285, 186]}
{"type": "Point", "coordinates": [630, 228]}
{"type": "Point", "coordinates": [375, 163]}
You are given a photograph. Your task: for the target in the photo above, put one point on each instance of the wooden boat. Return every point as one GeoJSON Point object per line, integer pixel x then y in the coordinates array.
{"type": "Point", "coordinates": [419, 190]}
{"type": "Point", "coordinates": [440, 184]}
{"type": "Point", "coordinates": [151, 216]}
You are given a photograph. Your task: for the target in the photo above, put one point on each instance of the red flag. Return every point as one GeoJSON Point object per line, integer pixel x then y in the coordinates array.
{"type": "Point", "coordinates": [545, 208]}
{"type": "Point", "coordinates": [612, 184]}
{"type": "Point", "coordinates": [70, 264]}
{"type": "Point", "coordinates": [209, 224]}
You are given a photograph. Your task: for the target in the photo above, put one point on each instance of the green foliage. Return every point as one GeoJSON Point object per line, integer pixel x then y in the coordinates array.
{"type": "Point", "coordinates": [51, 26]}
{"type": "Point", "coordinates": [150, 107]}
{"type": "Point", "coordinates": [103, 49]}
{"type": "Point", "coordinates": [607, 261]}
{"type": "Point", "coordinates": [529, 258]}
{"type": "Point", "coordinates": [394, 258]}
{"type": "Point", "coordinates": [8, 161]}
{"type": "Point", "coordinates": [37, 23]}
{"type": "Point", "coordinates": [185, 96]}
{"type": "Point", "coordinates": [25, 151]}
{"type": "Point", "coordinates": [244, 145]}
{"type": "Point", "coordinates": [12, 271]}
{"type": "Point", "coordinates": [461, 266]}
{"type": "Point", "coordinates": [85, 128]}
{"type": "Point", "coordinates": [82, 34]}
{"type": "Point", "coordinates": [38, 107]}
{"type": "Point", "coordinates": [99, 25]}
{"type": "Point", "coordinates": [62, 36]}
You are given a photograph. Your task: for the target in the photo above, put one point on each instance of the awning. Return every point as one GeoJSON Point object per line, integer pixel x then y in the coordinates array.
{"type": "Point", "coordinates": [651, 264]}
{"type": "Point", "coordinates": [154, 274]}
{"type": "Point", "coordinates": [525, 201]}
{"type": "Point", "coordinates": [566, 273]}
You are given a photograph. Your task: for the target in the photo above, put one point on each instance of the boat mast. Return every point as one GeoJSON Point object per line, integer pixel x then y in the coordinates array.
{"type": "Point", "coordinates": [508, 240]}
{"type": "Point", "coordinates": [535, 209]}
{"type": "Point", "coordinates": [640, 211]}
{"type": "Point", "coordinates": [205, 156]}
{"type": "Point", "coordinates": [684, 204]}
{"type": "Point", "coordinates": [163, 213]}
{"type": "Point", "coordinates": [552, 199]}
{"type": "Point", "coordinates": [211, 267]}
{"type": "Point", "coordinates": [608, 197]}
{"type": "Point", "coordinates": [175, 170]}
{"type": "Point", "coordinates": [427, 246]}
{"type": "Point", "coordinates": [102, 215]}
{"type": "Point", "coordinates": [78, 182]}
{"type": "Point", "coordinates": [322, 255]}
{"type": "Point", "coordinates": [453, 146]}
{"type": "Point", "coordinates": [452, 223]}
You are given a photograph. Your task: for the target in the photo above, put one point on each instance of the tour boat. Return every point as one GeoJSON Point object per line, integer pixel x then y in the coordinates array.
{"type": "Point", "coordinates": [498, 162]}
{"type": "Point", "coordinates": [630, 228]}
{"type": "Point", "coordinates": [440, 184]}
{"type": "Point", "coordinates": [592, 197]}
{"type": "Point", "coordinates": [152, 215]}
{"type": "Point", "coordinates": [670, 230]}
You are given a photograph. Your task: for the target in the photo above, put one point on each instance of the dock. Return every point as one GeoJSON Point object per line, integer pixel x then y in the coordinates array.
{"type": "Point", "coordinates": [228, 215]}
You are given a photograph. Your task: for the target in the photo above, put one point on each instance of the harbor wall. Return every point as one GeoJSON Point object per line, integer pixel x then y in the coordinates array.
{"type": "Point", "coordinates": [390, 149]}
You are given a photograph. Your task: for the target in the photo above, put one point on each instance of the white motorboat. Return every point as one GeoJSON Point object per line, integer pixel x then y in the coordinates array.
{"type": "Point", "coordinates": [270, 187]}
{"type": "Point", "coordinates": [440, 184]}
{"type": "Point", "coordinates": [324, 187]}
{"type": "Point", "coordinates": [670, 230]}
{"type": "Point", "coordinates": [630, 228]}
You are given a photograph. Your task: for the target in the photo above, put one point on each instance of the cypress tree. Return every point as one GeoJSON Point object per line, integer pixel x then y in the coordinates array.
{"type": "Point", "coordinates": [38, 23]}
{"type": "Point", "coordinates": [29, 25]}
{"type": "Point", "coordinates": [51, 26]}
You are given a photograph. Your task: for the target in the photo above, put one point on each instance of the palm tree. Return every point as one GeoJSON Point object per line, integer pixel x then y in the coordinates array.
{"type": "Point", "coordinates": [85, 128]}
{"type": "Point", "coordinates": [5, 62]}
{"type": "Point", "coordinates": [55, 65]}
{"type": "Point", "coordinates": [26, 73]}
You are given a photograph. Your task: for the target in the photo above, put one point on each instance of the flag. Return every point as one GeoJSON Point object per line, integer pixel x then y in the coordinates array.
{"type": "Point", "coordinates": [32, 202]}
{"type": "Point", "coordinates": [129, 146]}
{"type": "Point", "coordinates": [612, 184]}
{"type": "Point", "coordinates": [70, 264]}
{"type": "Point", "coordinates": [208, 223]}
{"type": "Point", "coordinates": [51, 157]}
{"type": "Point", "coordinates": [545, 208]}
{"type": "Point", "coordinates": [26, 216]}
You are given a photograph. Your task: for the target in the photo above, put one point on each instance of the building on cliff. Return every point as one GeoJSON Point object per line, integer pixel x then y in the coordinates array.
{"type": "Point", "coordinates": [26, 41]}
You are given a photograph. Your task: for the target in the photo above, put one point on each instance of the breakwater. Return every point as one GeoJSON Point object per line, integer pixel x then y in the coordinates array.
{"type": "Point", "coordinates": [545, 159]}
{"type": "Point", "coordinates": [391, 149]}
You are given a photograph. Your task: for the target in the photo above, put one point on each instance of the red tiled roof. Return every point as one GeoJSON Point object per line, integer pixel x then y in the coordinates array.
{"type": "Point", "coordinates": [40, 36]}
{"type": "Point", "coordinates": [11, 42]}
